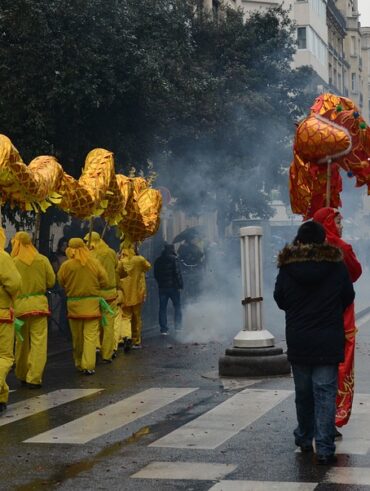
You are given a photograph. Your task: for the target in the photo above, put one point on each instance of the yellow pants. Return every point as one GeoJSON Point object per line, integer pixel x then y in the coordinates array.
{"type": "Point", "coordinates": [84, 336]}
{"type": "Point", "coordinates": [107, 335]}
{"type": "Point", "coordinates": [31, 353]}
{"type": "Point", "coordinates": [122, 328]}
{"type": "Point", "coordinates": [6, 357]}
{"type": "Point", "coordinates": [131, 320]}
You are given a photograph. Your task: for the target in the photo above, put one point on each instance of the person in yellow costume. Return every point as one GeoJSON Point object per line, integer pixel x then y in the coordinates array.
{"type": "Point", "coordinates": [133, 287]}
{"type": "Point", "coordinates": [10, 284]}
{"type": "Point", "coordinates": [122, 327]}
{"type": "Point", "coordinates": [83, 278]}
{"type": "Point", "coordinates": [108, 259]}
{"type": "Point", "coordinates": [31, 306]}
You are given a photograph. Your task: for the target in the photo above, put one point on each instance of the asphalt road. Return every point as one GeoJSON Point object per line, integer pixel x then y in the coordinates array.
{"type": "Point", "coordinates": [162, 419]}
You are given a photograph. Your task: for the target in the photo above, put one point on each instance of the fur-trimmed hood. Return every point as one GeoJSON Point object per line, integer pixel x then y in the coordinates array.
{"type": "Point", "coordinates": [311, 263]}
{"type": "Point", "coordinates": [308, 252]}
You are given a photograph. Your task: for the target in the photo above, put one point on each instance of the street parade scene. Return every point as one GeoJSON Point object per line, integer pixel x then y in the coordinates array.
{"type": "Point", "coordinates": [185, 245]}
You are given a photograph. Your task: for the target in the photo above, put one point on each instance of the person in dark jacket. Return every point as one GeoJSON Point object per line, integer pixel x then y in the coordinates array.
{"type": "Point", "coordinates": [313, 288]}
{"type": "Point", "coordinates": [168, 275]}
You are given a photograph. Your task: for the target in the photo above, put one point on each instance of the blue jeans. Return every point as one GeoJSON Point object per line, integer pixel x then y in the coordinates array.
{"type": "Point", "coordinates": [164, 295]}
{"type": "Point", "coordinates": [315, 397]}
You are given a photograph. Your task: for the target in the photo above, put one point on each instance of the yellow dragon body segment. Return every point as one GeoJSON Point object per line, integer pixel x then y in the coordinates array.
{"type": "Point", "coordinates": [87, 197]}
{"type": "Point", "coordinates": [126, 202]}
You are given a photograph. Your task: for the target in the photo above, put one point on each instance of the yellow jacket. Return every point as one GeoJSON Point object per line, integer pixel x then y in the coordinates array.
{"type": "Point", "coordinates": [36, 279]}
{"type": "Point", "coordinates": [108, 259]}
{"type": "Point", "coordinates": [10, 284]}
{"type": "Point", "coordinates": [83, 287]}
{"type": "Point", "coordinates": [134, 284]}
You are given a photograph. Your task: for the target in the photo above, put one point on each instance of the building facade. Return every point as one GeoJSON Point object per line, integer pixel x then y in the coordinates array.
{"type": "Point", "coordinates": [214, 5]}
{"type": "Point", "coordinates": [365, 35]}
{"type": "Point", "coordinates": [338, 65]}
{"type": "Point", "coordinates": [311, 30]}
{"type": "Point", "coordinates": [330, 40]}
{"type": "Point", "coordinates": [312, 36]}
{"type": "Point", "coordinates": [353, 42]}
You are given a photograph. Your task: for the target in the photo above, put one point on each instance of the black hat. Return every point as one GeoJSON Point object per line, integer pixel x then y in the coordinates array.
{"type": "Point", "coordinates": [310, 233]}
{"type": "Point", "coordinates": [169, 248]}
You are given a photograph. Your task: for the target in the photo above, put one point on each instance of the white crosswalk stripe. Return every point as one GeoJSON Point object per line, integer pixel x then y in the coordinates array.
{"type": "Point", "coordinates": [221, 423]}
{"type": "Point", "coordinates": [34, 405]}
{"type": "Point", "coordinates": [263, 486]}
{"type": "Point", "coordinates": [359, 476]}
{"type": "Point", "coordinates": [184, 470]}
{"type": "Point", "coordinates": [112, 417]}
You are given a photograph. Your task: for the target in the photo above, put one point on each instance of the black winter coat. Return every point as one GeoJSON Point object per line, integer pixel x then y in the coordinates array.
{"type": "Point", "coordinates": [167, 271]}
{"type": "Point", "coordinates": [314, 288]}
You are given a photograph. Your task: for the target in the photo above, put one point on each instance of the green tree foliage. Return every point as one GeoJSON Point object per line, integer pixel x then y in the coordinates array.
{"type": "Point", "coordinates": [210, 100]}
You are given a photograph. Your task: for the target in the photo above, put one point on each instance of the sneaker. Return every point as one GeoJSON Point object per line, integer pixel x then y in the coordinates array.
{"type": "Point", "coordinates": [107, 362]}
{"type": "Point", "coordinates": [33, 386]}
{"type": "Point", "coordinates": [306, 448]}
{"type": "Point", "coordinates": [337, 435]}
{"type": "Point", "coordinates": [88, 372]}
{"type": "Point", "coordinates": [326, 459]}
{"type": "Point", "coordinates": [127, 345]}
{"type": "Point", "coordinates": [164, 333]}
{"type": "Point", "coordinates": [2, 407]}
{"type": "Point", "coordinates": [136, 346]}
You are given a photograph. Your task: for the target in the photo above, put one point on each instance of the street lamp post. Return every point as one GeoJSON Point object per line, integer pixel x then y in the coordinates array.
{"type": "Point", "coordinates": [253, 352]}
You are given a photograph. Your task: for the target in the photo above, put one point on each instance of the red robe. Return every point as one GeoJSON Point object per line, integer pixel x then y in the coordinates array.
{"type": "Point", "coordinates": [346, 379]}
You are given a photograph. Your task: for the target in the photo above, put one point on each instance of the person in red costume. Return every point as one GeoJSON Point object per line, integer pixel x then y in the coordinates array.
{"type": "Point", "coordinates": [331, 220]}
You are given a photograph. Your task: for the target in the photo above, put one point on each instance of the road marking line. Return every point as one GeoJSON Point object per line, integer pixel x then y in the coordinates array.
{"type": "Point", "coordinates": [355, 439]}
{"type": "Point", "coordinates": [263, 486]}
{"type": "Point", "coordinates": [236, 384]}
{"type": "Point", "coordinates": [363, 320]}
{"type": "Point", "coordinates": [184, 470]}
{"type": "Point", "coordinates": [112, 417]}
{"type": "Point", "coordinates": [34, 405]}
{"type": "Point", "coordinates": [216, 426]}
{"type": "Point", "coordinates": [349, 475]}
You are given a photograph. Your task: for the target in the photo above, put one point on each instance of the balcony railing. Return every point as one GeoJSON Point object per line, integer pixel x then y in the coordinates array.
{"type": "Point", "coordinates": [337, 15]}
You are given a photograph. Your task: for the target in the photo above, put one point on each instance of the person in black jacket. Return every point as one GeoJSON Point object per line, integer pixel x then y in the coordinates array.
{"type": "Point", "coordinates": [313, 288]}
{"type": "Point", "coordinates": [167, 273]}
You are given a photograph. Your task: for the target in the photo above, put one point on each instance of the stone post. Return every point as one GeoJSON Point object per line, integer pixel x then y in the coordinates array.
{"type": "Point", "coordinates": [253, 352]}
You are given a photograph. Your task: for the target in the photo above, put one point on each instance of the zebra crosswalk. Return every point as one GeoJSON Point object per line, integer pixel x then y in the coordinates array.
{"type": "Point", "coordinates": [112, 417]}
{"type": "Point", "coordinates": [210, 429]}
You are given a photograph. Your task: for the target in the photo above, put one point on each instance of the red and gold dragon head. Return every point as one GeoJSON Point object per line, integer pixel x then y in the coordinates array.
{"type": "Point", "coordinates": [333, 134]}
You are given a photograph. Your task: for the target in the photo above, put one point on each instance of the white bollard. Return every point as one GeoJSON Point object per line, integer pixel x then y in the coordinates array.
{"type": "Point", "coordinates": [253, 335]}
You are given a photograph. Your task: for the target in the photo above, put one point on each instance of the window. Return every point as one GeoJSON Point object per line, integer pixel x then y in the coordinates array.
{"type": "Point", "coordinates": [301, 38]}
{"type": "Point", "coordinates": [353, 45]}
{"type": "Point", "coordinates": [353, 82]}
